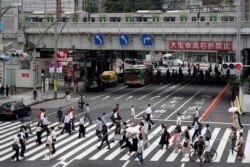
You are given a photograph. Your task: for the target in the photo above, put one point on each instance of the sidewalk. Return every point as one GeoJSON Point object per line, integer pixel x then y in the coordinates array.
{"type": "Point", "coordinates": [245, 98]}
{"type": "Point", "coordinates": [26, 95]}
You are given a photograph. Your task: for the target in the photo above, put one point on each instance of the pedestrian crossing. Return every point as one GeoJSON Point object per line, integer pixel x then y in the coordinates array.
{"type": "Point", "coordinates": [71, 147]}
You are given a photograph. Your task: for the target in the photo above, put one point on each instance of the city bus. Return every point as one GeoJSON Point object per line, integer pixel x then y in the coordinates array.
{"type": "Point", "coordinates": [138, 75]}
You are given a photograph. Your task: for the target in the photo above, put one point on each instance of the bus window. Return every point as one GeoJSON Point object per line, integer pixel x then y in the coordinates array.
{"type": "Point", "coordinates": [102, 18]}
{"type": "Point", "coordinates": [183, 17]}
{"type": "Point", "coordinates": [213, 17]}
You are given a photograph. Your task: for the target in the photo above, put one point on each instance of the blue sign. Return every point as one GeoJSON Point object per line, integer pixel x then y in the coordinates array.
{"type": "Point", "coordinates": [1, 25]}
{"type": "Point", "coordinates": [147, 39]}
{"type": "Point", "coordinates": [124, 39]}
{"type": "Point", "coordinates": [99, 39]}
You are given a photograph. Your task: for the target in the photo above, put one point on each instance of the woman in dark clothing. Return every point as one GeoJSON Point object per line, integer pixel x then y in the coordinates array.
{"type": "Point", "coordinates": [105, 137]}
{"type": "Point", "coordinates": [164, 137]}
{"type": "Point", "coordinates": [133, 146]}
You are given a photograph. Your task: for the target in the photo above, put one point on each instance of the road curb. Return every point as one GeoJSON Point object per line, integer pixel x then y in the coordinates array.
{"type": "Point", "coordinates": [38, 102]}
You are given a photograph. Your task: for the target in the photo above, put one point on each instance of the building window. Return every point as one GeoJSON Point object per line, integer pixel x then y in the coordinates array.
{"type": "Point", "coordinates": [203, 18]}
{"type": "Point", "coordinates": [169, 19]}
{"type": "Point", "coordinates": [115, 19]}
{"type": "Point", "coordinates": [194, 19]}
{"type": "Point", "coordinates": [24, 65]}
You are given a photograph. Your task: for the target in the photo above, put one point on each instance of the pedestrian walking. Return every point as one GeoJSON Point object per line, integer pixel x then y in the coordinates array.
{"type": "Point", "coordinates": [15, 147]}
{"type": "Point", "coordinates": [134, 144]}
{"type": "Point", "coordinates": [208, 132]}
{"type": "Point", "coordinates": [236, 120]}
{"type": "Point", "coordinates": [7, 90]}
{"type": "Point", "coordinates": [87, 113]}
{"type": "Point", "coordinates": [187, 143]}
{"type": "Point", "coordinates": [104, 118]}
{"type": "Point", "coordinates": [99, 126]}
{"type": "Point", "coordinates": [178, 123]}
{"type": "Point", "coordinates": [144, 131]}
{"type": "Point", "coordinates": [233, 139]}
{"type": "Point", "coordinates": [72, 118]}
{"type": "Point", "coordinates": [239, 121]}
{"type": "Point", "coordinates": [40, 116]}
{"type": "Point", "coordinates": [45, 124]}
{"type": "Point", "coordinates": [60, 117]}
{"type": "Point", "coordinates": [81, 128]}
{"type": "Point", "coordinates": [165, 136]}
{"type": "Point", "coordinates": [22, 141]}
{"type": "Point", "coordinates": [105, 137]}
{"type": "Point", "coordinates": [67, 93]}
{"type": "Point", "coordinates": [149, 112]}
{"type": "Point", "coordinates": [49, 147]}
{"type": "Point", "coordinates": [197, 129]}
{"type": "Point", "coordinates": [35, 93]}
{"type": "Point", "coordinates": [38, 135]}
{"type": "Point", "coordinates": [240, 145]}
{"type": "Point", "coordinates": [195, 115]}
{"type": "Point", "coordinates": [53, 136]}
{"type": "Point", "coordinates": [140, 150]}
{"type": "Point", "coordinates": [66, 124]}
{"type": "Point", "coordinates": [200, 148]}
{"type": "Point", "coordinates": [177, 140]}
{"type": "Point", "coordinates": [207, 150]}
{"type": "Point", "coordinates": [132, 114]}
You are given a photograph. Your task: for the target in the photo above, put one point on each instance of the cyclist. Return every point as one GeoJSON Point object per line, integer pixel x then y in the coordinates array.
{"type": "Point", "coordinates": [199, 146]}
{"type": "Point", "coordinates": [207, 150]}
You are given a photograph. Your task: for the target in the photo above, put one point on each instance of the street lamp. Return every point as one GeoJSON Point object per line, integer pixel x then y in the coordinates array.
{"type": "Point", "coordinates": [56, 39]}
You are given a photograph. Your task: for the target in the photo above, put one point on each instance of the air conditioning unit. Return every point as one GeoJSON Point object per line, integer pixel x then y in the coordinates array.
{"type": "Point", "coordinates": [21, 38]}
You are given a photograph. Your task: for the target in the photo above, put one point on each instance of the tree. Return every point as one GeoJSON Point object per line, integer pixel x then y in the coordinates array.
{"type": "Point", "coordinates": [90, 6]}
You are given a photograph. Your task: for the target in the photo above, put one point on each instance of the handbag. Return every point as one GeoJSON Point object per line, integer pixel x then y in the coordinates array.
{"type": "Point", "coordinates": [15, 146]}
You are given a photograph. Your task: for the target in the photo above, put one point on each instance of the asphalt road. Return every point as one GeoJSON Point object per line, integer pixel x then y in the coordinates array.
{"type": "Point", "coordinates": [166, 98]}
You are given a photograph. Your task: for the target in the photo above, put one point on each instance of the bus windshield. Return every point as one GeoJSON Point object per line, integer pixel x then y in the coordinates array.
{"type": "Point", "coordinates": [132, 71]}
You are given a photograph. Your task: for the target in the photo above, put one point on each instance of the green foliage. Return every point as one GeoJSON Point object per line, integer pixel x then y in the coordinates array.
{"type": "Point", "coordinates": [90, 6]}
{"type": "Point", "coordinates": [125, 6]}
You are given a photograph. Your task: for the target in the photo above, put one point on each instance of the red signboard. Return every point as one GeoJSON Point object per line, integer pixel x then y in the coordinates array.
{"type": "Point", "coordinates": [25, 75]}
{"type": "Point", "coordinates": [201, 45]}
{"type": "Point", "coordinates": [62, 55]}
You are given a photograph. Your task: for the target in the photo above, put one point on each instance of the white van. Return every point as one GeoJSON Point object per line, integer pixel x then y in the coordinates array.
{"type": "Point", "coordinates": [166, 59]}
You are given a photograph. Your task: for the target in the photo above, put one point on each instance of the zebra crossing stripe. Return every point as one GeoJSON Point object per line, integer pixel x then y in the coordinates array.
{"type": "Point", "coordinates": [104, 150]}
{"type": "Point", "coordinates": [11, 135]}
{"type": "Point", "coordinates": [72, 137]}
{"type": "Point", "coordinates": [160, 153]}
{"type": "Point", "coordinates": [4, 123]}
{"type": "Point", "coordinates": [222, 145]}
{"type": "Point", "coordinates": [186, 159]}
{"type": "Point", "coordinates": [247, 149]}
{"type": "Point", "coordinates": [27, 146]}
{"type": "Point", "coordinates": [214, 135]}
{"type": "Point", "coordinates": [79, 148]}
{"type": "Point", "coordinates": [173, 155]}
{"type": "Point", "coordinates": [9, 127]}
{"type": "Point", "coordinates": [150, 136]}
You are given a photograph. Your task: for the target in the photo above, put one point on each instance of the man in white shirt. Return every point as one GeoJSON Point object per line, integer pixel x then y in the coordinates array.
{"type": "Point", "coordinates": [99, 128]}
{"type": "Point", "coordinates": [132, 114]}
{"type": "Point", "coordinates": [72, 119]}
{"type": "Point", "coordinates": [140, 149]}
{"type": "Point", "coordinates": [81, 128]}
{"type": "Point", "coordinates": [87, 113]}
{"type": "Point", "coordinates": [53, 135]}
{"type": "Point", "coordinates": [149, 112]}
{"type": "Point", "coordinates": [45, 125]}
{"type": "Point", "coordinates": [66, 124]}
{"type": "Point", "coordinates": [178, 123]}
{"type": "Point", "coordinates": [104, 119]}
{"type": "Point", "coordinates": [207, 150]}
{"type": "Point", "coordinates": [17, 142]}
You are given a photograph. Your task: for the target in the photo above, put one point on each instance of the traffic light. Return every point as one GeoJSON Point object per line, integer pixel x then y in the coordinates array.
{"type": "Point", "coordinates": [4, 57]}
{"type": "Point", "coordinates": [232, 66]}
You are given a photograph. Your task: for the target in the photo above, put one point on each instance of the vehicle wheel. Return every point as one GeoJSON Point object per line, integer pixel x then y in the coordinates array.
{"type": "Point", "coordinates": [213, 155]}
{"type": "Point", "coordinates": [193, 156]}
{"type": "Point", "coordinates": [16, 116]}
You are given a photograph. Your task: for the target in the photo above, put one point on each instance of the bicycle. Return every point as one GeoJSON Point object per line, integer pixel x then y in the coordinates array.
{"type": "Point", "coordinates": [193, 155]}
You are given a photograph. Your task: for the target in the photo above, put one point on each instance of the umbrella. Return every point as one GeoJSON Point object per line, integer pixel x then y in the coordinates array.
{"type": "Point", "coordinates": [233, 109]}
{"type": "Point", "coordinates": [133, 130]}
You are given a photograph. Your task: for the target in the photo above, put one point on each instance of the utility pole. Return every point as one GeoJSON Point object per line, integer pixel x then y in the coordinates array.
{"type": "Point", "coordinates": [238, 58]}
{"type": "Point", "coordinates": [58, 16]}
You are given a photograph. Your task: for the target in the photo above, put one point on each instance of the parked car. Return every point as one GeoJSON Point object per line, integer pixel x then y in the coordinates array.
{"type": "Point", "coordinates": [177, 62]}
{"type": "Point", "coordinates": [14, 110]}
{"type": "Point", "coordinates": [94, 85]}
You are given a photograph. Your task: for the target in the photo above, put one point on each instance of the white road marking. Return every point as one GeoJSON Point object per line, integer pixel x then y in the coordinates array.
{"type": "Point", "coordinates": [154, 97]}
{"type": "Point", "coordinates": [160, 153]}
{"type": "Point", "coordinates": [183, 165]}
{"type": "Point", "coordinates": [126, 163]}
{"type": "Point", "coordinates": [182, 105]}
{"type": "Point", "coordinates": [131, 92]}
{"type": "Point", "coordinates": [10, 126]}
{"type": "Point", "coordinates": [129, 97]}
{"type": "Point", "coordinates": [222, 145]}
{"type": "Point", "coordinates": [107, 93]}
{"type": "Point", "coordinates": [247, 149]}
{"type": "Point", "coordinates": [105, 97]}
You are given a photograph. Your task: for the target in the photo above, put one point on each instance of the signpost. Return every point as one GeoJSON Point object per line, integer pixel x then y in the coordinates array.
{"type": "Point", "coordinates": [147, 39]}
{"type": "Point", "coordinates": [99, 39]}
{"type": "Point", "coordinates": [124, 39]}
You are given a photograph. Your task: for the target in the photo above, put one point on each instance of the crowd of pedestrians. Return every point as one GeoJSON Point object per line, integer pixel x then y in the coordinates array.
{"type": "Point", "coordinates": [134, 139]}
